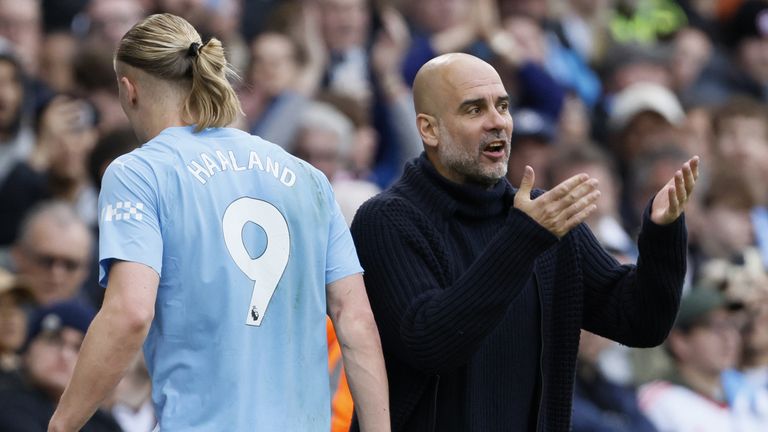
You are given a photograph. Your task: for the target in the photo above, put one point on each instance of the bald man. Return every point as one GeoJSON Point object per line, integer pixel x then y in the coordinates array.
{"type": "Point", "coordinates": [480, 289]}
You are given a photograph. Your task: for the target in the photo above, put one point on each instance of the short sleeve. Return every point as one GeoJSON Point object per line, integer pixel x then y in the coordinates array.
{"type": "Point", "coordinates": [129, 225]}
{"type": "Point", "coordinates": [342, 258]}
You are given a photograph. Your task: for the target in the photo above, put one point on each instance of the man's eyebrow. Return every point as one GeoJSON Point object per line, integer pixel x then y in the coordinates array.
{"type": "Point", "coordinates": [471, 102]}
{"type": "Point", "coordinates": [481, 102]}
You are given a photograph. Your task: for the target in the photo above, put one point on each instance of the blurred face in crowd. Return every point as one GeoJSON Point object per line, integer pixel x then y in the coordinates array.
{"type": "Point", "coordinates": [57, 61]}
{"type": "Point", "coordinates": [711, 346]}
{"type": "Point", "coordinates": [20, 23]}
{"type": "Point", "coordinates": [534, 8]}
{"type": "Point", "coordinates": [742, 140]}
{"type": "Point", "coordinates": [362, 155]}
{"type": "Point", "coordinates": [729, 230]}
{"type": "Point", "coordinates": [574, 124]}
{"type": "Point", "coordinates": [274, 63]}
{"type": "Point", "coordinates": [468, 137]}
{"type": "Point", "coordinates": [753, 56]}
{"type": "Point", "coordinates": [11, 94]}
{"type": "Point", "coordinates": [756, 332]}
{"type": "Point", "coordinates": [607, 203]}
{"type": "Point", "coordinates": [67, 130]}
{"type": "Point", "coordinates": [344, 23]}
{"type": "Point", "coordinates": [529, 37]}
{"type": "Point", "coordinates": [692, 50]}
{"type": "Point", "coordinates": [69, 158]}
{"type": "Point", "coordinates": [438, 15]}
{"type": "Point", "coordinates": [51, 357]}
{"type": "Point", "coordinates": [53, 258]}
{"type": "Point", "coordinates": [111, 19]}
{"type": "Point", "coordinates": [589, 7]}
{"type": "Point", "coordinates": [320, 148]}
{"type": "Point", "coordinates": [180, 7]}
{"type": "Point", "coordinates": [654, 177]}
{"type": "Point", "coordinates": [533, 151]}
{"type": "Point", "coordinates": [13, 323]}
{"type": "Point", "coordinates": [645, 132]}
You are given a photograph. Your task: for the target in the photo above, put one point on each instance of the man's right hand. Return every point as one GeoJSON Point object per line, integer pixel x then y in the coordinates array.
{"type": "Point", "coordinates": [561, 208]}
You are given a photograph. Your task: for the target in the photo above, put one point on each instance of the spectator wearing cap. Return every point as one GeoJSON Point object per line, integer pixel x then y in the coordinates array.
{"type": "Point", "coordinates": [48, 362]}
{"type": "Point", "coordinates": [533, 143]}
{"type": "Point", "coordinates": [639, 110]}
{"type": "Point", "coordinates": [14, 296]}
{"type": "Point", "coordinates": [704, 345]}
{"type": "Point", "coordinates": [643, 118]}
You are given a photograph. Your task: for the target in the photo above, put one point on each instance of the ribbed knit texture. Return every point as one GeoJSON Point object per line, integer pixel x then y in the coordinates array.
{"type": "Point", "coordinates": [443, 304]}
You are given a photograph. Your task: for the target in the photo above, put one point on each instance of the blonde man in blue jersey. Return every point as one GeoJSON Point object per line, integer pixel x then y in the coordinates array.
{"type": "Point", "coordinates": [223, 252]}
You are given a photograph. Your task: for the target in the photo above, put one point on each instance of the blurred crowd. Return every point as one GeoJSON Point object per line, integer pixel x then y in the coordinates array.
{"type": "Point", "coordinates": [626, 90]}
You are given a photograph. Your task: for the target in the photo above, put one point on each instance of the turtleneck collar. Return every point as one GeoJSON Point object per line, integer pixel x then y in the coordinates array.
{"type": "Point", "coordinates": [445, 196]}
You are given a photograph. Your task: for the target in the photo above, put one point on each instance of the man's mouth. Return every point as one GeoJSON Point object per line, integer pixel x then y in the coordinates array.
{"type": "Point", "coordinates": [495, 149]}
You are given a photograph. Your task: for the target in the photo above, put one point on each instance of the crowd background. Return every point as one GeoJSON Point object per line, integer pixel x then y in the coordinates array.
{"type": "Point", "coordinates": [626, 90]}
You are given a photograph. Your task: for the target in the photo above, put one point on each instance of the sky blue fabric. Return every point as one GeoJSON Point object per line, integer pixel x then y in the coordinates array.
{"type": "Point", "coordinates": [245, 238]}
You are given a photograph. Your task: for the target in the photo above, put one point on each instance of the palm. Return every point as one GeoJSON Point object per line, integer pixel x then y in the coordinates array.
{"type": "Point", "coordinates": [669, 202]}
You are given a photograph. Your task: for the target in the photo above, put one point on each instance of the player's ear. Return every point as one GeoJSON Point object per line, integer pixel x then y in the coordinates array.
{"type": "Point", "coordinates": [127, 90]}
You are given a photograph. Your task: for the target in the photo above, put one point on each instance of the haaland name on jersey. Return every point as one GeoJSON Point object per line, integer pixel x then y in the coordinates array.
{"type": "Point", "coordinates": [228, 162]}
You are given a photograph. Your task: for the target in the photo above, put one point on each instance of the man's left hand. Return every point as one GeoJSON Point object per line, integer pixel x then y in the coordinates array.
{"type": "Point", "coordinates": [670, 201]}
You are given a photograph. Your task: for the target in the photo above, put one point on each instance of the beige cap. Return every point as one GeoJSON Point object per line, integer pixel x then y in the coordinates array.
{"type": "Point", "coordinates": [641, 97]}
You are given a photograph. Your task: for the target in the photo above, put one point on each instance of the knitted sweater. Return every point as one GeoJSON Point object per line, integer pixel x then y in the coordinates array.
{"type": "Point", "coordinates": [445, 263]}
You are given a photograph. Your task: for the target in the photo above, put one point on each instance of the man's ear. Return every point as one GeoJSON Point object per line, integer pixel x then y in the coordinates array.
{"type": "Point", "coordinates": [128, 89]}
{"type": "Point", "coordinates": [427, 126]}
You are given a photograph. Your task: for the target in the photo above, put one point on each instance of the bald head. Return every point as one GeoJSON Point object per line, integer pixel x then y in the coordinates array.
{"type": "Point", "coordinates": [442, 76]}
{"type": "Point", "coordinates": [462, 115]}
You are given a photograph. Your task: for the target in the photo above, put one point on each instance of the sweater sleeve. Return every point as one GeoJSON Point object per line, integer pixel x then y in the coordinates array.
{"type": "Point", "coordinates": [635, 305]}
{"type": "Point", "coordinates": [425, 320]}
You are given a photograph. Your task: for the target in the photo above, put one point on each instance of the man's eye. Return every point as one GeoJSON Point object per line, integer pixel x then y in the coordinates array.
{"type": "Point", "coordinates": [504, 107]}
{"type": "Point", "coordinates": [474, 110]}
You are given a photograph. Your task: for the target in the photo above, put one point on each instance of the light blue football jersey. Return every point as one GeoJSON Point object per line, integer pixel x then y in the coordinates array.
{"type": "Point", "coordinates": [245, 238]}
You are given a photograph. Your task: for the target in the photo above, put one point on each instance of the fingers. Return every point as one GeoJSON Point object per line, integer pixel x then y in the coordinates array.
{"type": "Point", "coordinates": [563, 207]}
{"type": "Point", "coordinates": [579, 217]}
{"type": "Point", "coordinates": [674, 204]}
{"type": "Point", "coordinates": [567, 186]}
{"type": "Point", "coordinates": [527, 182]}
{"type": "Point", "coordinates": [681, 188]}
{"type": "Point", "coordinates": [691, 174]}
{"type": "Point", "coordinates": [581, 204]}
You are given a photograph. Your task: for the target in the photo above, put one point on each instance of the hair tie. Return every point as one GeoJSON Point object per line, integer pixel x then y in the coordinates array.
{"type": "Point", "coordinates": [194, 49]}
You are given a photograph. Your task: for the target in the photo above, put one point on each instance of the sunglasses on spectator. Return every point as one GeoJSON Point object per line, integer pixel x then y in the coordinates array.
{"type": "Point", "coordinates": [48, 261]}
{"type": "Point", "coordinates": [54, 339]}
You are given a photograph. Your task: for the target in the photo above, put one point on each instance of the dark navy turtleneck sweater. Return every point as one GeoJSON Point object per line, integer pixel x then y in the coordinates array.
{"type": "Point", "coordinates": [479, 308]}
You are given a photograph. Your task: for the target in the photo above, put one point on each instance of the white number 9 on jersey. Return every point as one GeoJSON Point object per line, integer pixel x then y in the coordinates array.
{"type": "Point", "coordinates": [267, 269]}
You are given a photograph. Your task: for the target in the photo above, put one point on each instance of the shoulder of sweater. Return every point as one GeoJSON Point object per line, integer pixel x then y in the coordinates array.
{"type": "Point", "coordinates": [387, 205]}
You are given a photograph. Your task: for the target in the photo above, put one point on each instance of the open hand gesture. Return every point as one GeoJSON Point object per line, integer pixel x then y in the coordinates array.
{"type": "Point", "coordinates": [561, 208]}
{"type": "Point", "coordinates": [669, 202]}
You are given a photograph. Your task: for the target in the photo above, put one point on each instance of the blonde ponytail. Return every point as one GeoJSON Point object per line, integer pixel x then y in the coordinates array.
{"type": "Point", "coordinates": [168, 47]}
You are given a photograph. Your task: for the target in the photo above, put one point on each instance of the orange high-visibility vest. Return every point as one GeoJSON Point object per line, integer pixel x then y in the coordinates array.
{"type": "Point", "coordinates": [341, 402]}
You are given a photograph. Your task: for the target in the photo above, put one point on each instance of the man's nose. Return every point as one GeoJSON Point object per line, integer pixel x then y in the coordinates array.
{"type": "Point", "coordinates": [497, 120]}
